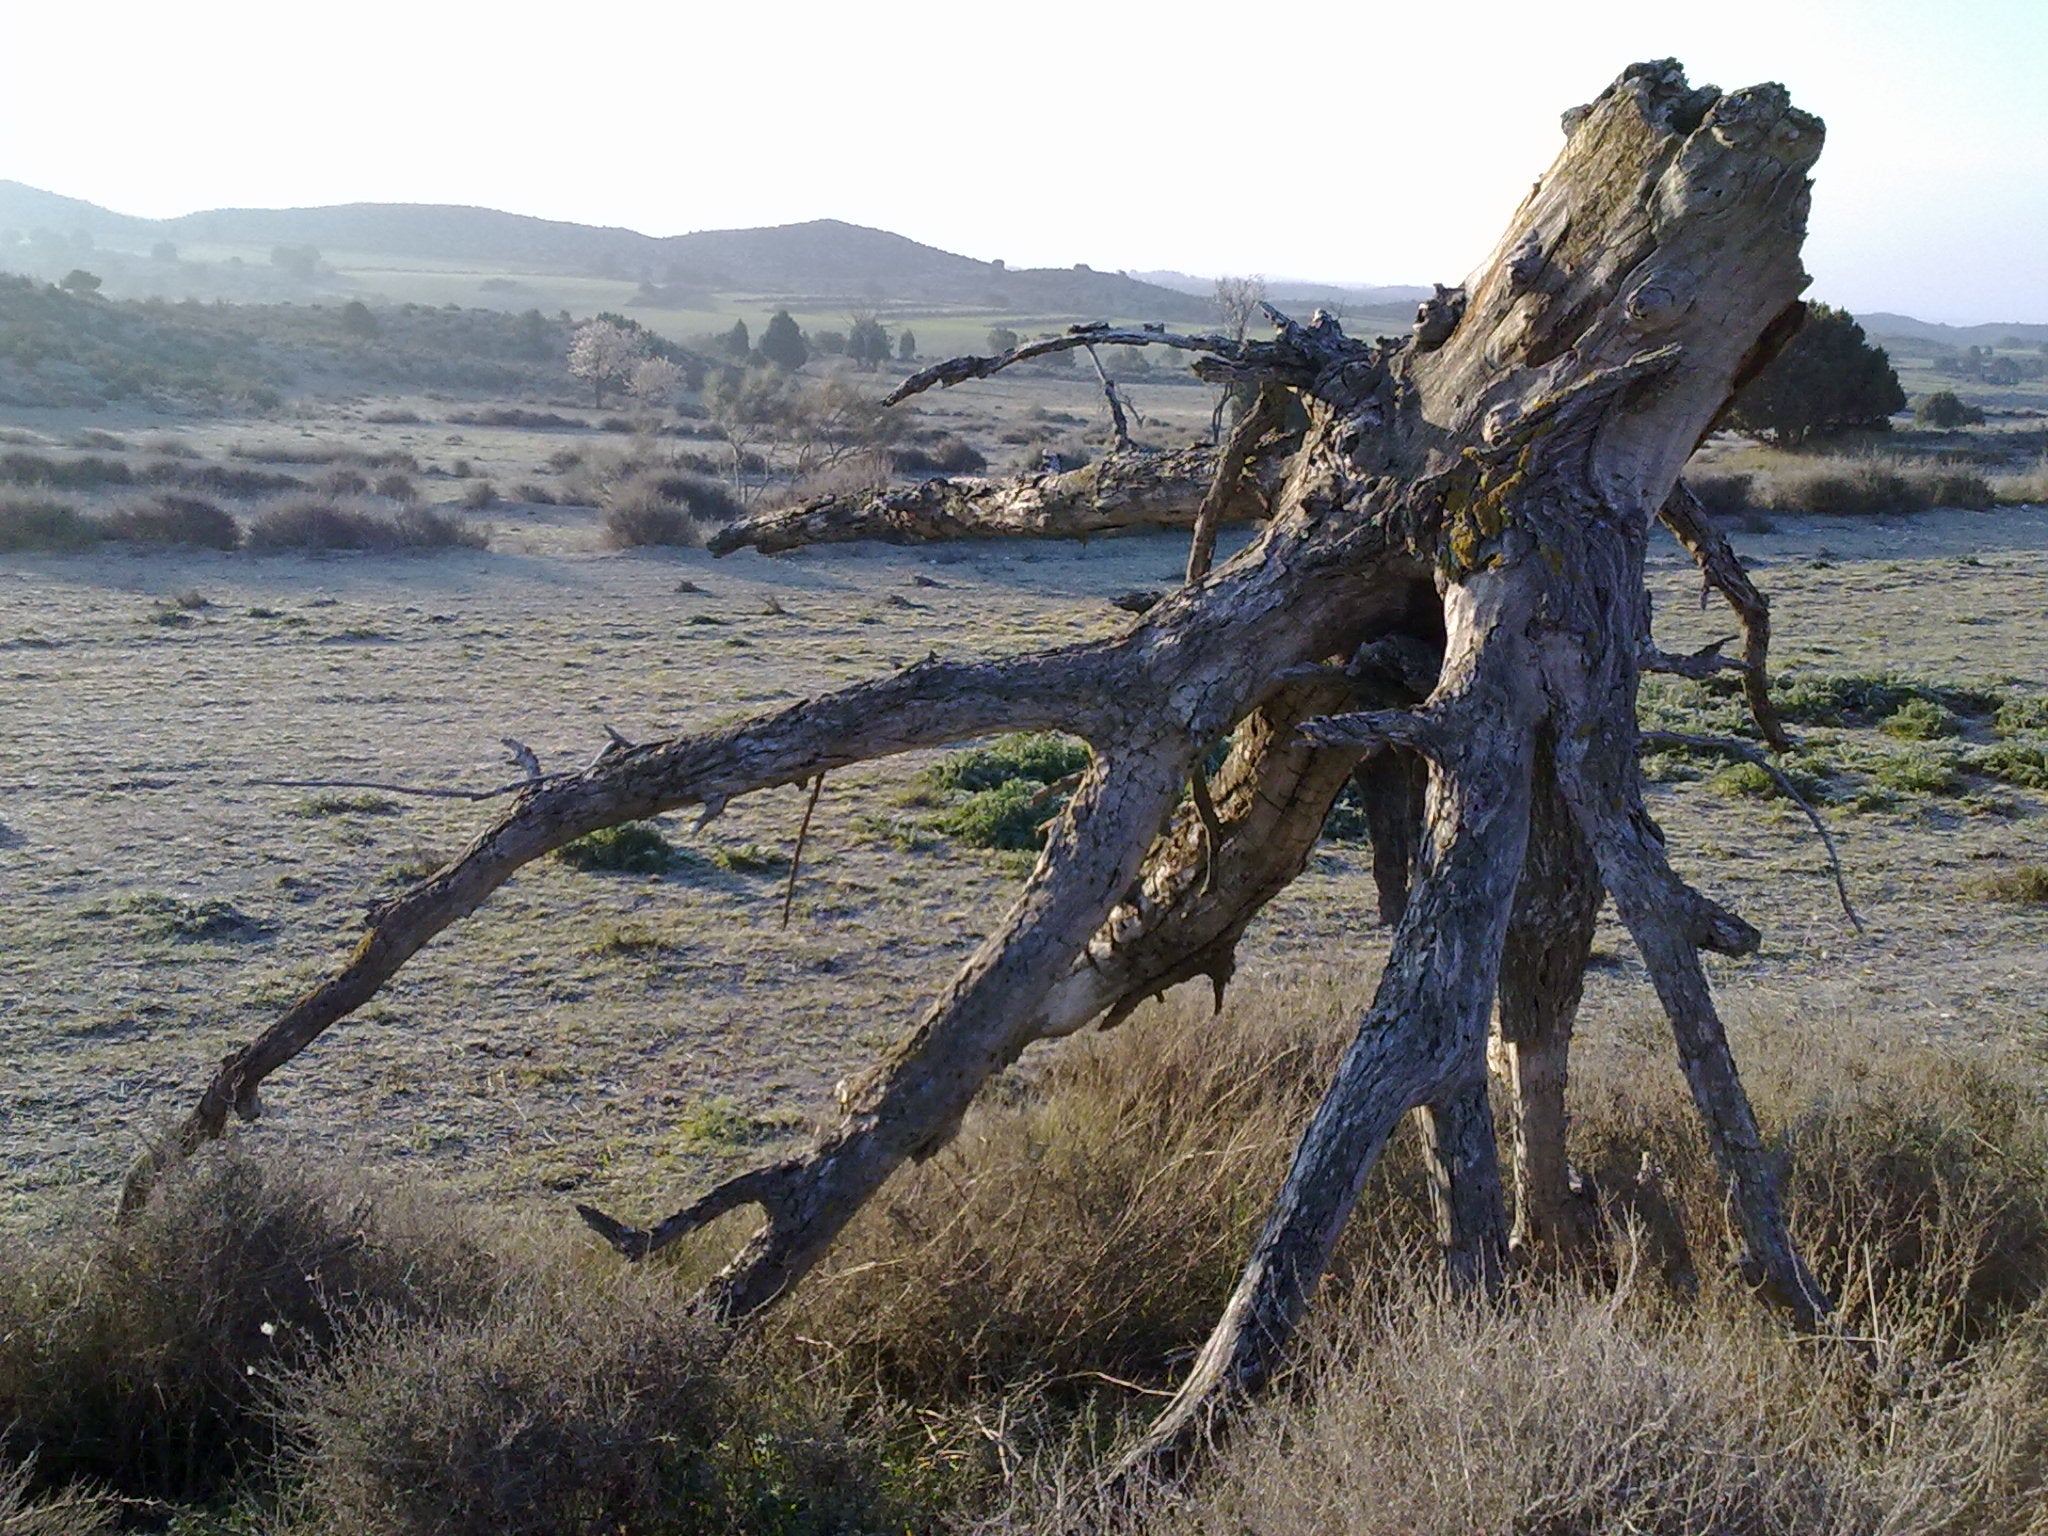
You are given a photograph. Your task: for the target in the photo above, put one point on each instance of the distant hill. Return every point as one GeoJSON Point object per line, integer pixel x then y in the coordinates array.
{"type": "Point", "coordinates": [824, 258]}
{"type": "Point", "coordinates": [1880, 325]}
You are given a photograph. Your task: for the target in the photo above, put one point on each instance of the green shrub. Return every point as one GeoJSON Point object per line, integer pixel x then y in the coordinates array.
{"type": "Point", "coordinates": [1011, 816]}
{"type": "Point", "coordinates": [39, 524]}
{"type": "Point", "coordinates": [2011, 762]}
{"type": "Point", "coordinates": [2022, 713]}
{"type": "Point", "coordinates": [1002, 795]}
{"type": "Point", "coordinates": [477, 497]}
{"type": "Point", "coordinates": [1921, 773]}
{"type": "Point", "coordinates": [1811, 698]}
{"type": "Point", "coordinates": [173, 519]}
{"type": "Point", "coordinates": [1038, 758]}
{"type": "Point", "coordinates": [1744, 779]}
{"type": "Point", "coordinates": [638, 847]}
{"type": "Point", "coordinates": [1945, 410]}
{"type": "Point", "coordinates": [1920, 719]}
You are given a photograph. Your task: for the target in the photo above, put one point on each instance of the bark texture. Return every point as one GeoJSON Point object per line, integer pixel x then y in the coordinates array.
{"type": "Point", "coordinates": [1448, 590]}
{"type": "Point", "coordinates": [1122, 490]}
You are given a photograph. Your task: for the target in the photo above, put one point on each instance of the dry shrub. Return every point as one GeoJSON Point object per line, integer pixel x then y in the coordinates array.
{"type": "Point", "coordinates": [397, 486]}
{"type": "Point", "coordinates": [43, 524]}
{"type": "Point", "coordinates": [310, 523]}
{"type": "Point", "coordinates": [173, 519]}
{"type": "Point", "coordinates": [1845, 485]}
{"type": "Point", "coordinates": [1095, 1224]}
{"type": "Point", "coordinates": [575, 1404]}
{"type": "Point", "coordinates": [854, 475]}
{"type": "Point", "coordinates": [2028, 487]}
{"type": "Point", "coordinates": [655, 506]}
{"type": "Point", "coordinates": [1580, 1414]}
{"type": "Point", "coordinates": [69, 1512]}
{"type": "Point", "coordinates": [140, 1361]}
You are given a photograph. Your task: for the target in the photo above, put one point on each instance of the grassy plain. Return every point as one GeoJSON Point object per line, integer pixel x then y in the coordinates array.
{"type": "Point", "coordinates": [621, 1038]}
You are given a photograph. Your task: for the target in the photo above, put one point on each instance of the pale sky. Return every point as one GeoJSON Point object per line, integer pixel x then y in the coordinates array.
{"type": "Point", "coordinates": [1353, 142]}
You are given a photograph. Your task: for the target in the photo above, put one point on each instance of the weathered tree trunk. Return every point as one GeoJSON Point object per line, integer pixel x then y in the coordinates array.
{"type": "Point", "coordinates": [1480, 493]}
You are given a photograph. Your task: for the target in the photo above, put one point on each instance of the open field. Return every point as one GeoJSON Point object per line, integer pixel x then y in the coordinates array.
{"type": "Point", "coordinates": [619, 1036]}
{"type": "Point", "coordinates": [623, 1038]}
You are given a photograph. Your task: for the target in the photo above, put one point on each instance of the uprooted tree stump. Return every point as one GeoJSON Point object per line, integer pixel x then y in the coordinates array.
{"type": "Point", "coordinates": [1447, 599]}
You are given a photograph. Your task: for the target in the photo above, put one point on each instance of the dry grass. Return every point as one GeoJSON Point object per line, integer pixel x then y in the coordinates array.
{"type": "Point", "coordinates": [359, 1367]}
{"type": "Point", "coordinates": [1842, 485]}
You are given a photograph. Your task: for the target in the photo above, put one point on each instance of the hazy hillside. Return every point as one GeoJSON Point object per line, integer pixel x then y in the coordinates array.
{"type": "Point", "coordinates": [824, 258]}
{"type": "Point", "coordinates": [1880, 325]}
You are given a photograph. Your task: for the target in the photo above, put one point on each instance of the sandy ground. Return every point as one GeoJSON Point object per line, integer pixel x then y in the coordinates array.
{"type": "Point", "coordinates": [624, 1036]}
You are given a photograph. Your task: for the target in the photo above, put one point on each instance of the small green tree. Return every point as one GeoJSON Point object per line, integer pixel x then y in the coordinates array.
{"type": "Point", "coordinates": [783, 344]}
{"type": "Point", "coordinates": [1828, 379]}
{"type": "Point", "coordinates": [738, 345]}
{"type": "Point", "coordinates": [357, 320]}
{"type": "Point", "coordinates": [867, 341]}
{"type": "Point", "coordinates": [1945, 410]}
{"type": "Point", "coordinates": [1001, 339]}
{"type": "Point", "coordinates": [80, 282]}
{"type": "Point", "coordinates": [906, 346]}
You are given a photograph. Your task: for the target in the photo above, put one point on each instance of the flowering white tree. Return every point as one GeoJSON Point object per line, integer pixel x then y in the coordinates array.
{"type": "Point", "coordinates": [605, 354]}
{"type": "Point", "coordinates": [654, 382]}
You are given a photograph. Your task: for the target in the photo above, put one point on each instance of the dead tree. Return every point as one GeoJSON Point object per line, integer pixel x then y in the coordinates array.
{"type": "Point", "coordinates": [1451, 574]}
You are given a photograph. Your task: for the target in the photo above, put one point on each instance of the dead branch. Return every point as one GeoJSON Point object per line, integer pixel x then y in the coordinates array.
{"type": "Point", "coordinates": [1729, 747]}
{"type": "Point", "coordinates": [1722, 570]}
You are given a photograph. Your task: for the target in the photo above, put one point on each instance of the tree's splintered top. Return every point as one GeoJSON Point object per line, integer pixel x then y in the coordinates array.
{"type": "Point", "coordinates": [1689, 205]}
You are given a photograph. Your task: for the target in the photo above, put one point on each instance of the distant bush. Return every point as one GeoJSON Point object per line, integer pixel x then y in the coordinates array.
{"type": "Point", "coordinates": [312, 524]}
{"type": "Point", "coordinates": [475, 498]}
{"type": "Point", "coordinates": [173, 519]}
{"type": "Point", "coordinates": [393, 416]}
{"type": "Point", "coordinates": [85, 473]}
{"type": "Point", "coordinates": [396, 487]}
{"type": "Point", "coordinates": [1944, 409]}
{"type": "Point", "coordinates": [946, 454]}
{"type": "Point", "coordinates": [40, 524]}
{"type": "Point", "coordinates": [222, 479]}
{"type": "Point", "coordinates": [1838, 485]}
{"type": "Point", "coordinates": [516, 416]}
{"type": "Point", "coordinates": [340, 480]}
{"type": "Point", "coordinates": [665, 507]}
{"type": "Point", "coordinates": [1723, 494]}
{"type": "Point", "coordinates": [2025, 886]}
